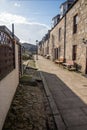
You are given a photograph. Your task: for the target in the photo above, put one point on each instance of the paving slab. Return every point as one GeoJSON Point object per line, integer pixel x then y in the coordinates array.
{"type": "Point", "coordinates": [84, 127]}
{"type": "Point", "coordinates": [74, 117]}
{"type": "Point", "coordinates": [69, 92]}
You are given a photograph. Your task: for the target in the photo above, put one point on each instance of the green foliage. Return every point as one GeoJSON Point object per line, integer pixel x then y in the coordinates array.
{"type": "Point", "coordinates": [27, 56]}
{"type": "Point", "coordinates": [28, 80]}
{"type": "Point", "coordinates": [31, 63]}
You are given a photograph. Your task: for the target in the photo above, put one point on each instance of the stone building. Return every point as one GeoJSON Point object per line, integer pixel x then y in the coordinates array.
{"type": "Point", "coordinates": [68, 38]}
{"type": "Point", "coordinates": [43, 45]}
{"type": "Point", "coordinates": [55, 20]}
{"type": "Point", "coordinates": [39, 48]}
{"type": "Point", "coordinates": [76, 31]}
{"type": "Point", "coordinates": [57, 41]}
{"type": "Point", "coordinates": [65, 6]}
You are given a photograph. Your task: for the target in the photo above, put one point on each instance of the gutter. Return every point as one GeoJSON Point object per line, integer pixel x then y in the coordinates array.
{"type": "Point", "coordinates": [65, 39]}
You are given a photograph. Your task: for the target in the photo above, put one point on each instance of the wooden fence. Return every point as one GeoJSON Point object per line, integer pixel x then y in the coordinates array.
{"type": "Point", "coordinates": [7, 54]}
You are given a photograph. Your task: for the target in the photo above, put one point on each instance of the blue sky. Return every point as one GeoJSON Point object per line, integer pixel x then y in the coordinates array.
{"type": "Point", "coordinates": [32, 18]}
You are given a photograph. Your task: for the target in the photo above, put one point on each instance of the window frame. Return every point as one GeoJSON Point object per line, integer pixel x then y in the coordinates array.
{"type": "Point", "coordinates": [75, 24]}
{"type": "Point", "coordinates": [74, 52]}
{"type": "Point", "coordinates": [59, 34]}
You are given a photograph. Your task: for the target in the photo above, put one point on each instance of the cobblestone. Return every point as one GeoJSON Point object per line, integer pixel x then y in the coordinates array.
{"type": "Point", "coordinates": [30, 110]}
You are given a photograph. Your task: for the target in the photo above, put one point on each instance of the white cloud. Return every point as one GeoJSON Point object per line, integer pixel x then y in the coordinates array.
{"type": "Point", "coordinates": [11, 18]}
{"type": "Point", "coordinates": [17, 5]}
{"type": "Point", "coordinates": [30, 33]}
{"type": "Point", "coordinates": [2, 1]}
{"type": "Point", "coordinates": [24, 29]}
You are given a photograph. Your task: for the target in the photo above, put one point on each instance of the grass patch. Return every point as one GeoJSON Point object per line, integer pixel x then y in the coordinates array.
{"type": "Point", "coordinates": [28, 80]}
{"type": "Point", "coordinates": [31, 63]}
{"type": "Point", "coordinates": [25, 78]}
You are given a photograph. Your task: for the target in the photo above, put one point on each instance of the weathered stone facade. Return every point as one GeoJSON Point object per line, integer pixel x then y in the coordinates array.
{"type": "Point", "coordinates": [79, 8]}
{"type": "Point", "coordinates": [71, 33]}
{"type": "Point", "coordinates": [43, 46]}
{"type": "Point", "coordinates": [55, 42]}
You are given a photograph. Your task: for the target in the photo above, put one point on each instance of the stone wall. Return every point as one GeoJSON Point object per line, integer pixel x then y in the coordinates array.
{"type": "Point", "coordinates": [70, 39]}
{"type": "Point", "coordinates": [45, 47]}
{"type": "Point", "coordinates": [79, 8]}
{"type": "Point", "coordinates": [54, 39]}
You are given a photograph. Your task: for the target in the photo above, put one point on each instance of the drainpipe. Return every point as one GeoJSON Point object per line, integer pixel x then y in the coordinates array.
{"type": "Point", "coordinates": [65, 39]}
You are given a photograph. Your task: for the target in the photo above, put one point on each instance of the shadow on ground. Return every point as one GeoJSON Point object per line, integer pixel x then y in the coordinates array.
{"type": "Point", "coordinates": [71, 107]}
{"type": "Point", "coordinates": [30, 109]}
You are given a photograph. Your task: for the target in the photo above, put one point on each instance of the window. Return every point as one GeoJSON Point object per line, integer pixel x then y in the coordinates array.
{"type": "Point", "coordinates": [53, 40]}
{"type": "Point", "coordinates": [74, 52]}
{"type": "Point", "coordinates": [56, 53]}
{"type": "Point", "coordinates": [59, 34]}
{"type": "Point", "coordinates": [69, 5]}
{"type": "Point", "coordinates": [75, 23]}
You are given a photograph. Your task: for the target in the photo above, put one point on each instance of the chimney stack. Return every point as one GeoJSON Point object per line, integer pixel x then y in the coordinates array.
{"type": "Point", "coordinates": [12, 30]}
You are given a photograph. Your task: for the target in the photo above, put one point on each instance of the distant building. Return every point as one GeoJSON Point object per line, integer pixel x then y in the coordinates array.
{"type": "Point", "coordinates": [68, 38]}
{"type": "Point", "coordinates": [43, 46]}
{"type": "Point", "coordinates": [55, 20]}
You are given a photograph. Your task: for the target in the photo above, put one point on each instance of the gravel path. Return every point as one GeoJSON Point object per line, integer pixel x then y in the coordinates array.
{"type": "Point", "coordinates": [30, 110]}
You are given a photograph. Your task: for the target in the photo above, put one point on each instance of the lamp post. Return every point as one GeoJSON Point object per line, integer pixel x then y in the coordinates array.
{"type": "Point", "coordinates": [36, 49]}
